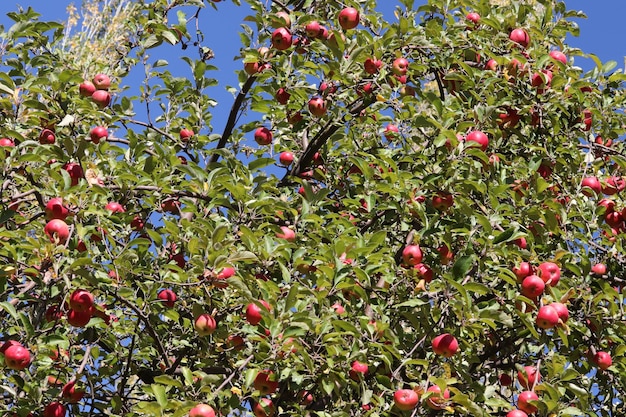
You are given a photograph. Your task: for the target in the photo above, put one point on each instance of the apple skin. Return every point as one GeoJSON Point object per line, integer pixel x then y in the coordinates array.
{"type": "Point", "coordinates": [358, 369]}
{"type": "Point", "coordinates": [317, 106]}
{"type": "Point", "coordinates": [16, 356]}
{"type": "Point", "coordinates": [558, 56]}
{"type": "Point", "coordinates": [185, 134]}
{"type": "Point", "coordinates": [254, 312]}
{"type": "Point", "coordinates": [47, 137]}
{"type": "Point", "coordinates": [286, 233]}
{"type": "Point", "coordinates": [437, 400]}
{"type": "Point", "coordinates": [348, 18]}
{"type": "Point", "coordinates": [412, 255]}
{"type": "Point", "coordinates": [286, 158]}
{"type": "Point", "coordinates": [442, 201]}
{"type": "Point", "coordinates": [550, 273]}
{"type": "Point", "coordinates": [372, 65]}
{"type": "Point", "coordinates": [114, 207]}
{"type": "Point", "coordinates": [312, 29]}
{"type": "Point", "coordinates": [81, 300]}
{"type": "Point", "coordinates": [202, 410]}
{"type": "Point", "coordinates": [424, 271]}
{"type": "Point", "coordinates": [445, 345]}
{"type": "Point", "coordinates": [516, 413]}
{"type": "Point", "coordinates": [281, 39]}
{"type": "Point", "coordinates": [561, 310]}
{"type": "Point", "coordinates": [520, 36]}
{"type": "Point", "coordinates": [523, 270]}
{"type": "Point", "coordinates": [339, 309]}
{"type": "Point", "coordinates": [102, 98]}
{"type": "Point", "coordinates": [57, 229]}
{"type": "Point", "coordinates": [55, 209]}
{"type": "Point", "coordinates": [599, 269]}
{"type": "Point", "coordinates": [391, 131]}
{"type": "Point", "coordinates": [264, 382]}
{"type": "Point", "coordinates": [473, 17]}
{"type": "Point", "coordinates": [406, 399]}
{"type": "Point", "coordinates": [86, 88]}
{"type": "Point", "coordinates": [101, 81]}
{"type": "Point", "coordinates": [71, 394]}
{"type": "Point", "coordinates": [75, 171]}
{"type": "Point", "coordinates": [205, 324]}
{"type": "Point", "coordinates": [478, 137]}
{"type": "Point", "coordinates": [54, 409]}
{"type": "Point", "coordinates": [614, 185]}
{"type": "Point", "coordinates": [491, 65]}
{"type": "Point", "coordinates": [282, 95]}
{"type": "Point", "coordinates": [263, 136]}
{"type": "Point", "coordinates": [98, 133]}
{"type": "Point", "coordinates": [524, 398]}
{"type": "Point", "coordinates": [400, 66]}
{"type": "Point", "coordinates": [264, 408]}
{"type": "Point", "coordinates": [547, 317]}
{"type": "Point", "coordinates": [168, 297]}
{"type": "Point", "coordinates": [591, 186]}
{"type": "Point", "coordinates": [603, 360]}
{"type": "Point", "coordinates": [78, 318]}
{"type": "Point", "coordinates": [528, 377]}
{"type": "Point", "coordinates": [533, 287]}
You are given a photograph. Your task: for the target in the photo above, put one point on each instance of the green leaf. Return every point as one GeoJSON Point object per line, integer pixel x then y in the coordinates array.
{"type": "Point", "coordinates": [462, 266]}
{"type": "Point", "coordinates": [159, 394]}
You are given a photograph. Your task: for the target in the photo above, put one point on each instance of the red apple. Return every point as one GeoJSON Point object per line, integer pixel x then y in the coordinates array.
{"type": "Point", "coordinates": [591, 185]}
{"type": "Point", "coordinates": [339, 309]}
{"type": "Point", "coordinates": [253, 312]}
{"type": "Point", "coordinates": [317, 106]}
{"type": "Point", "coordinates": [78, 318]}
{"type": "Point", "coordinates": [263, 136]}
{"type": "Point", "coordinates": [286, 233]}
{"type": "Point", "coordinates": [445, 254]}
{"type": "Point", "coordinates": [54, 409]}
{"type": "Point", "coordinates": [558, 56]}
{"type": "Point", "coordinates": [599, 269]}
{"type": "Point", "coordinates": [75, 171]}
{"type": "Point", "coordinates": [114, 207]}
{"type": "Point", "coordinates": [102, 98]}
{"type": "Point", "coordinates": [442, 201]}
{"type": "Point", "coordinates": [313, 29]}
{"type": "Point", "coordinates": [171, 205]}
{"type": "Point", "coordinates": [251, 68]}
{"type": "Point", "coordinates": [372, 65]}
{"type": "Point", "coordinates": [614, 185]}
{"type": "Point", "coordinates": [101, 81]}
{"type": "Point", "coordinates": [348, 18]}
{"type": "Point", "coordinates": [16, 356]}
{"type": "Point", "coordinates": [47, 137]}
{"type": "Point", "coordinates": [264, 408]}
{"type": "Point", "coordinates": [71, 394]}
{"type": "Point", "coordinates": [205, 324]}
{"type": "Point", "coordinates": [561, 310]}
{"type": "Point", "coordinates": [478, 137]}
{"type": "Point", "coordinates": [424, 271]}
{"type": "Point", "coordinates": [529, 377]}
{"type": "Point", "coordinates": [265, 382]}
{"type": "Point", "coordinates": [533, 286]}
{"type": "Point", "coordinates": [81, 300]}
{"type": "Point", "coordinates": [283, 19]}
{"type": "Point", "coordinates": [168, 297]}
{"type": "Point", "coordinates": [550, 273]}
{"type": "Point", "coordinates": [437, 400]}
{"type": "Point", "coordinates": [541, 80]}
{"type": "Point", "coordinates": [547, 317]}
{"type": "Point", "coordinates": [281, 39]}
{"type": "Point", "coordinates": [86, 88]}
{"type": "Point", "coordinates": [391, 131]}
{"type": "Point", "coordinates": [603, 360]}
{"type": "Point", "coordinates": [473, 17]}
{"type": "Point", "coordinates": [358, 369]}
{"type": "Point", "coordinates": [520, 36]}
{"type": "Point", "coordinates": [406, 399]}
{"type": "Point", "coordinates": [57, 230]}
{"type": "Point", "coordinates": [55, 209]}
{"type": "Point", "coordinates": [525, 269]}
{"type": "Point", "coordinates": [523, 401]}
{"type": "Point", "coordinates": [286, 158]}
{"type": "Point", "coordinates": [400, 66]}
{"type": "Point", "coordinates": [445, 345]}
{"type": "Point", "coordinates": [185, 134]}
{"type": "Point", "coordinates": [98, 133]}
{"type": "Point", "coordinates": [505, 380]}
{"type": "Point", "coordinates": [282, 95]}
{"type": "Point", "coordinates": [516, 413]}
{"type": "Point", "coordinates": [411, 255]}
{"type": "Point", "coordinates": [491, 65]}
{"type": "Point", "coordinates": [202, 410]}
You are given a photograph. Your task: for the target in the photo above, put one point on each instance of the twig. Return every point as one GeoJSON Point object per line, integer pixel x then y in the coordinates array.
{"type": "Point", "coordinates": [232, 375]}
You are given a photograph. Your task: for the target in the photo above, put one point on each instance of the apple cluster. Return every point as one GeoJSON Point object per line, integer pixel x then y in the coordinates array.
{"type": "Point", "coordinates": [97, 89]}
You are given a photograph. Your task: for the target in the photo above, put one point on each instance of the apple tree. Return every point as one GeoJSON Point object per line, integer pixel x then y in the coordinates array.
{"type": "Point", "coordinates": [411, 208]}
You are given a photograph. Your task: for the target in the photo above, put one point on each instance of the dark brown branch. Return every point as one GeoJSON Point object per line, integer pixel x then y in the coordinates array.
{"type": "Point", "coordinates": [232, 117]}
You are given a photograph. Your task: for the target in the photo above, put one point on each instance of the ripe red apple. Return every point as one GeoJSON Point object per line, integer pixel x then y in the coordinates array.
{"type": "Point", "coordinates": [202, 410]}
{"type": "Point", "coordinates": [523, 401]}
{"type": "Point", "coordinates": [263, 136]}
{"type": "Point", "coordinates": [412, 255]}
{"type": "Point", "coordinates": [54, 409]}
{"type": "Point", "coordinates": [550, 273]}
{"type": "Point", "coordinates": [473, 17]}
{"type": "Point", "coordinates": [205, 324]}
{"type": "Point", "coordinates": [265, 382]}
{"type": "Point", "coordinates": [339, 309]}
{"type": "Point", "coordinates": [78, 318]}
{"type": "Point", "coordinates": [98, 133]}
{"type": "Point", "coordinates": [86, 88]}
{"type": "Point", "coordinates": [406, 399]}
{"type": "Point", "coordinates": [516, 413]}
{"type": "Point", "coordinates": [533, 287]}
{"type": "Point", "coordinates": [442, 201]}
{"type": "Point", "coordinates": [424, 271]}
{"type": "Point", "coordinates": [478, 137]}
{"type": "Point", "coordinates": [614, 185]}
{"type": "Point", "coordinates": [283, 18]}
{"type": "Point", "coordinates": [348, 18]}
{"type": "Point", "coordinates": [81, 300]}
{"type": "Point", "coordinates": [114, 207]}
{"type": "Point", "coordinates": [561, 310]}
{"type": "Point", "coordinates": [71, 394]}
{"type": "Point", "coordinates": [547, 317]}
{"type": "Point", "coordinates": [251, 68]}
{"type": "Point", "coordinates": [101, 81]}
{"type": "Point", "coordinates": [171, 205]}
{"type": "Point", "coordinates": [57, 230]}
{"type": "Point", "coordinates": [253, 312]}
{"type": "Point", "coordinates": [445, 345]}
{"type": "Point", "coordinates": [47, 137]}
{"type": "Point", "coordinates": [75, 171]}
{"type": "Point", "coordinates": [282, 95]}
{"type": "Point", "coordinates": [16, 356]}
{"type": "Point", "coordinates": [102, 98]}
{"type": "Point", "coordinates": [312, 29]}
{"type": "Point", "coordinates": [264, 408]}
{"type": "Point", "coordinates": [281, 39]}
{"type": "Point", "coordinates": [587, 119]}
{"type": "Point", "coordinates": [529, 377]}
{"type": "Point", "coordinates": [505, 380]}
{"type": "Point", "coordinates": [445, 254]}
{"type": "Point", "coordinates": [168, 297]}
{"type": "Point", "coordinates": [400, 66]}
{"type": "Point", "coordinates": [541, 80]}
{"type": "Point", "coordinates": [599, 269]}
{"type": "Point", "coordinates": [520, 36]}
{"type": "Point", "coordinates": [55, 209]}
{"type": "Point", "coordinates": [525, 269]}
{"type": "Point", "coordinates": [603, 360]}
{"type": "Point", "coordinates": [372, 65]}
{"type": "Point", "coordinates": [357, 370]}
{"type": "Point", "coordinates": [317, 106]}
{"type": "Point", "coordinates": [391, 131]}
{"type": "Point", "coordinates": [491, 65]}
{"type": "Point", "coordinates": [286, 233]}
{"type": "Point", "coordinates": [437, 400]}
{"type": "Point", "coordinates": [591, 185]}
{"type": "Point", "coordinates": [286, 158]}
{"type": "Point", "coordinates": [185, 134]}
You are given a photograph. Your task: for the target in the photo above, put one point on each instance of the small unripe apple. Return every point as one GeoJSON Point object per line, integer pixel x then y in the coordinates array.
{"type": "Point", "coordinates": [529, 377]}
{"type": "Point", "coordinates": [202, 410]}
{"type": "Point", "coordinates": [357, 370]}
{"type": "Point", "coordinates": [265, 382]}
{"type": "Point", "coordinates": [412, 255]}
{"type": "Point", "coordinates": [523, 401]}
{"type": "Point", "coordinates": [57, 231]}
{"type": "Point", "coordinates": [406, 399]}
{"type": "Point", "coordinates": [205, 324]}
{"type": "Point", "coordinates": [86, 88]}
{"type": "Point", "coordinates": [286, 158]}
{"type": "Point", "coordinates": [16, 356]}
{"type": "Point", "coordinates": [547, 317]}
{"type": "Point", "coordinates": [263, 136]}
{"type": "Point", "coordinates": [81, 300]}
{"type": "Point", "coordinates": [520, 36]}
{"type": "Point", "coordinates": [348, 18]}
{"type": "Point", "coordinates": [101, 81]}
{"type": "Point", "coordinates": [445, 345]}
{"type": "Point", "coordinates": [533, 287]}
{"type": "Point", "coordinates": [55, 209]}
{"type": "Point", "coordinates": [478, 137]}
{"type": "Point", "coordinates": [168, 297]}
{"type": "Point", "coordinates": [102, 98]}
{"type": "Point", "coordinates": [281, 39]}
{"type": "Point", "coordinates": [47, 137]}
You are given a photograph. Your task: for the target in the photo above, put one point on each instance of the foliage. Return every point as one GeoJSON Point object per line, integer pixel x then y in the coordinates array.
{"type": "Point", "coordinates": [356, 196]}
